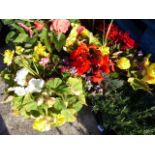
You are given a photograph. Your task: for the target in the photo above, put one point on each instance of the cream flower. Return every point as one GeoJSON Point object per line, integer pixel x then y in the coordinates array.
{"type": "Point", "coordinates": [35, 85]}
{"type": "Point", "coordinates": [20, 91]}
{"type": "Point", "coordinates": [21, 77]}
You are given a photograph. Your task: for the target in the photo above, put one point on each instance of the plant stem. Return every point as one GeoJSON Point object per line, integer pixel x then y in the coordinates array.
{"type": "Point", "coordinates": [108, 31]}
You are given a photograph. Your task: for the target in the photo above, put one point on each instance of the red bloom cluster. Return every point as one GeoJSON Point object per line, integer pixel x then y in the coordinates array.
{"type": "Point", "coordinates": [89, 58]}
{"type": "Point", "coordinates": [117, 36]}
{"type": "Point", "coordinates": [80, 59]}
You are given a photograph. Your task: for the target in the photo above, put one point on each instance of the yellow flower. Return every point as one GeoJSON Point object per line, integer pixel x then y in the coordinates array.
{"type": "Point", "coordinates": [105, 50]}
{"type": "Point", "coordinates": [8, 57]}
{"type": "Point", "coordinates": [123, 63]}
{"type": "Point", "coordinates": [19, 50]}
{"type": "Point", "coordinates": [146, 62]}
{"type": "Point", "coordinates": [151, 70]}
{"type": "Point", "coordinates": [42, 124]}
{"type": "Point", "coordinates": [41, 50]}
{"type": "Point", "coordinates": [149, 79]}
{"type": "Point", "coordinates": [58, 120]}
{"type": "Point", "coordinates": [85, 33]}
{"type": "Point", "coordinates": [150, 74]}
{"type": "Point", "coordinates": [72, 37]}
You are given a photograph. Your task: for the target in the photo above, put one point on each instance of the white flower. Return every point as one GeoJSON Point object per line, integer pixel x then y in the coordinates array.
{"type": "Point", "coordinates": [21, 77]}
{"type": "Point", "coordinates": [20, 91]}
{"type": "Point", "coordinates": [35, 85]}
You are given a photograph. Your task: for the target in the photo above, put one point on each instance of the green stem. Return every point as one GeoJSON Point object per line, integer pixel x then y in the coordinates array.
{"type": "Point", "coordinates": [108, 31]}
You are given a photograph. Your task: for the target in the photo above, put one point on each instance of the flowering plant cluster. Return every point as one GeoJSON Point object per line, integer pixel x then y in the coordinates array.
{"type": "Point", "coordinates": [53, 66]}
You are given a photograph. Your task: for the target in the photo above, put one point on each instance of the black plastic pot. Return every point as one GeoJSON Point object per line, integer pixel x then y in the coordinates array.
{"type": "Point", "coordinates": [98, 116]}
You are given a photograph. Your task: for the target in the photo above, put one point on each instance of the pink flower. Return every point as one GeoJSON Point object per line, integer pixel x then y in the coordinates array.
{"type": "Point", "coordinates": [80, 29]}
{"type": "Point", "coordinates": [60, 25]}
{"type": "Point", "coordinates": [26, 28]}
{"type": "Point", "coordinates": [64, 69]}
{"type": "Point", "coordinates": [39, 25]}
{"type": "Point", "coordinates": [44, 61]}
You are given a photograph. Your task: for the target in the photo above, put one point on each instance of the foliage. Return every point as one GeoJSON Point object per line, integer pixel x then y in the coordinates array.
{"type": "Point", "coordinates": [124, 111]}
{"type": "Point", "coordinates": [54, 66]}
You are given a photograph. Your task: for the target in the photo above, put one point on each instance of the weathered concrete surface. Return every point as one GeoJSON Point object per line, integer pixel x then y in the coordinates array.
{"type": "Point", "coordinates": [9, 124]}
{"type": "Point", "coordinates": [85, 124]}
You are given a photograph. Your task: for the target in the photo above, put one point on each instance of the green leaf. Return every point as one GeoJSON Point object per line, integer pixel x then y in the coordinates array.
{"type": "Point", "coordinates": [82, 99]}
{"type": "Point", "coordinates": [75, 85]}
{"type": "Point", "coordinates": [117, 83]}
{"type": "Point", "coordinates": [17, 102]}
{"type": "Point", "coordinates": [55, 59]}
{"type": "Point", "coordinates": [69, 115]}
{"type": "Point", "coordinates": [43, 109]}
{"type": "Point", "coordinates": [15, 27]}
{"type": "Point", "coordinates": [21, 38]}
{"type": "Point", "coordinates": [7, 21]}
{"type": "Point", "coordinates": [10, 36]}
{"type": "Point", "coordinates": [45, 39]}
{"type": "Point", "coordinates": [60, 42]}
{"type": "Point", "coordinates": [138, 84]}
{"type": "Point", "coordinates": [77, 106]}
{"type": "Point", "coordinates": [31, 42]}
{"type": "Point", "coordinates": [59, 105]}
{"type": "Point", "coordinates": [29, 103]}
{"type": "Point", "coordinates": [75, 21]}
{"type": "Point", "coordinates": [114, 75]}
{"type": "Point", "coordinates": [64, 90]}
{"type": "Point", "coordinates": [54, 83]}
{"type": "Point", "coordinates": [31, 106]}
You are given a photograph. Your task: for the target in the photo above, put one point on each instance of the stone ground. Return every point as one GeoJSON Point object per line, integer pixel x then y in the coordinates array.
{"type": "Point", "coordinates": [9, 124]}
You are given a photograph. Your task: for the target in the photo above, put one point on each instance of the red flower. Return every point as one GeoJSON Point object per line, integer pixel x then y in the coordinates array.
{"type": "Point", "coordinates": [97, 77]}
{"type": "Point", "coordinates": [39, 25]}
{"type": "Point", "coordinates": [113, 34]}
{"type": "Point", "coordinates": [80, 59]}
{"type": "Point", "coordinates": [103, 63]}
{"type": "Point", "coordinates": [127, 40]}
{"type": "Point", "coordinates": [82, 65]}
{"type": "Point", "coordinates": [86, 57]}
{"type": "Point", "coordinates": [117, 36]}
{"type": "Point", "coordinates": [82, 51]}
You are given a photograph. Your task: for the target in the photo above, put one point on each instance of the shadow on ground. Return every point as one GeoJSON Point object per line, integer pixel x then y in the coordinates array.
{"type": "Point", "coordinates": [3, 128]}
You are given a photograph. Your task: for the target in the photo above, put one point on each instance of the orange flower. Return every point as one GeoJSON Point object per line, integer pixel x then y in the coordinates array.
{"type": "Point", "coordinates": [80, 59]}
{"type": "Point", "coordinates": [86, 57]}
{"type": "Point", "coordinates": [97, 77]}
{"type": "Point", "coordinates": [82, 65]}
{"type": "Point", "coordinates": [81, 51]}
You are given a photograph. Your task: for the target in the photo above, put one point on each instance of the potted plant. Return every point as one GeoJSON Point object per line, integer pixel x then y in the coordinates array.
{"type": "Point", "coordinates": [54, 66]}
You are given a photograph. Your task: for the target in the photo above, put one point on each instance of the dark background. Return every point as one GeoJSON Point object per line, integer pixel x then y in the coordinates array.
{"type": "Point", "coordinates": [142, 30]}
